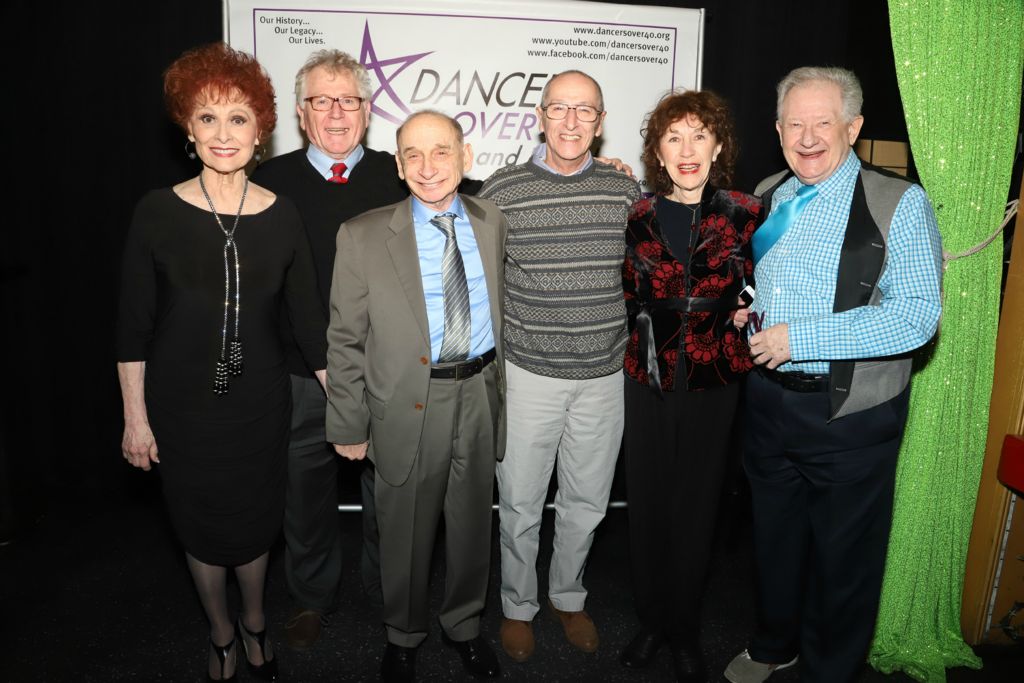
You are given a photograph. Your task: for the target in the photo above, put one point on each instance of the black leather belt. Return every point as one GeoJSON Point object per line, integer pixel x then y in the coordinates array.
{"type": "Point", "coordinates": [693, 304]}
{"type": "Point", "coordinates": [463, 369]}
{"type": "Point", "coordinates": [796, 381]}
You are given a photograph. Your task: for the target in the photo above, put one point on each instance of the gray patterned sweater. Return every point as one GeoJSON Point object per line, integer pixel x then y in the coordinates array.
{"type": "Point", "coordinates": [564, 311]}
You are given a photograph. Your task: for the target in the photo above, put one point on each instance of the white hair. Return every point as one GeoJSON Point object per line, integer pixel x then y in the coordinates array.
{"type": "Point", "coordinates": [849, 87]}
{"type": "Point", "coordinates": [335, 62]}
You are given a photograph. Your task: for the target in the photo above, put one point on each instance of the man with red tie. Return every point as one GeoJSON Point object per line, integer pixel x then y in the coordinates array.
{"type": "Point", "coordinates": [331, 181]}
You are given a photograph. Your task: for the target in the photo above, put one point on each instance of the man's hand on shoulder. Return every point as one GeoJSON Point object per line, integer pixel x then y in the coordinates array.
{"type": "Point", "coordinates": [351, 451]}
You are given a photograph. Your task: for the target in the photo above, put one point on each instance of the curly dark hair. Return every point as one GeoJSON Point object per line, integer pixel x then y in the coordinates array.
{"type": "Point", "coordinates": [706, 107]}
{"type": "Point", "coordinates": [221, 73]}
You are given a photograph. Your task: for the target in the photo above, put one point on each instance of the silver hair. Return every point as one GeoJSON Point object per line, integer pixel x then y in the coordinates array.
{"type": "Point", "coordinates": [547, 87]}
{"type": "Point", "coordinates": [849, 87]}
{"type": "Point", "coordinates": [335, 62]}
{"type": "Point", "coordinates": [456, 126]}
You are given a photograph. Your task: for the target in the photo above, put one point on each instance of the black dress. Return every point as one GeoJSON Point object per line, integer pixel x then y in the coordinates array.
{"type": "Point", "coordinates": [222, 458]}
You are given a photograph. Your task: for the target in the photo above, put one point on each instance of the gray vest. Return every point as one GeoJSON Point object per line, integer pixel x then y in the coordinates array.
{"type": "Point", "coordinates": [859, 385]}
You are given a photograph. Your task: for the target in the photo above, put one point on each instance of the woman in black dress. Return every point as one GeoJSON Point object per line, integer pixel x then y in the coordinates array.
{"type": "Point", "coordinates": [687, 254]}
{"type": "Point", "coordinates": [206, 394]}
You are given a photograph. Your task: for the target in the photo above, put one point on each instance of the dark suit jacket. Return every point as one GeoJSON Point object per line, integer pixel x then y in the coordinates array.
{"type": "Point", "coordinates": [378, 357]}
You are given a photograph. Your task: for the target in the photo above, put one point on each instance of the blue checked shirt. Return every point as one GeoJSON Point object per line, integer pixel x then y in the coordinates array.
{"type": "Point", "coordinates": [796, 279]}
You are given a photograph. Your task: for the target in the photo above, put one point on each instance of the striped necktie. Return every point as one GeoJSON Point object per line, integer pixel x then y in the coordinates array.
{"type": "Point", "coordinates": [779, 222]}
{"type": "Point", "coordinates": [455, 343]}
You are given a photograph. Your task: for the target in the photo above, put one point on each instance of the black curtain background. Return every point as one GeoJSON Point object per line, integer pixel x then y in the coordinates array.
{"type": "Point", "coordinates": [88, 136]}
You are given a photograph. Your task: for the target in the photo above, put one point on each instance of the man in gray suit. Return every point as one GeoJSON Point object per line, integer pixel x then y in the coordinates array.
{"type": "Point", "coordinates": [415, 314]}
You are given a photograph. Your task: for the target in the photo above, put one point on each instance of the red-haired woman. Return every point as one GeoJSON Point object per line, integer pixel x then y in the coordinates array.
{"type": "Point", "coordinates": [687, 253]}
{"type": "Point", "coordinates": [206, 395]}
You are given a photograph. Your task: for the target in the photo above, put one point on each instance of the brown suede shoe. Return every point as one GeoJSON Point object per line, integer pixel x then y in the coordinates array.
{"type": "Point", "coordinates": [302, 629]}
{"type": "Point", "coordinates": [579, 628]}
{"type": "Point", "coordinates": [517, 639]}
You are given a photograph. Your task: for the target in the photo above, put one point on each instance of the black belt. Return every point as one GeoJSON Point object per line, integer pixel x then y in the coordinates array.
{"type": "Point", "coordinates": [462, 369]}
{"type": "Point", "coordinates": [693, 304]}
{"type": "Point", "coordinates": [796, 381]}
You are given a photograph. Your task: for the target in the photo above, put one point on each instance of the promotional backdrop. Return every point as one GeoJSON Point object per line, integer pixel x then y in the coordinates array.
{"type": "Point", "coordinates": [484, 63]}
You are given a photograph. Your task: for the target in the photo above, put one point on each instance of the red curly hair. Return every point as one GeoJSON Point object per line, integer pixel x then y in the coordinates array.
{"type": "Point", "coordinates": [220, 73]}
{"type": "Point", "coordinates": [706, 107]}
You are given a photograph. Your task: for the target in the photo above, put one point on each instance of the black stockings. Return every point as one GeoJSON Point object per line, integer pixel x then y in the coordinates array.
{"type": "Point", "coordinates": [211, 584]}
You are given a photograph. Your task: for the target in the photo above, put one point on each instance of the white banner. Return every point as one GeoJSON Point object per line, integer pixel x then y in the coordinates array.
{"type": "Point", "coordinates": [482, 62]}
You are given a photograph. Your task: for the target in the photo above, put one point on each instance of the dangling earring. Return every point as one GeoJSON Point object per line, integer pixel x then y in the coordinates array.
{"type": "Point", "coordinates": [258, 156]}
{"type": "Point", "coordinates": [191, 154]}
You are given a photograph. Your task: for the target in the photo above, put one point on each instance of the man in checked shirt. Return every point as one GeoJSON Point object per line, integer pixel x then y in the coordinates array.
{"type": "Point", "coordinates": [848, 268]}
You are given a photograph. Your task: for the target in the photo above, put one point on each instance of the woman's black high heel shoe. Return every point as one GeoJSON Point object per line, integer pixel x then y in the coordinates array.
{"type": "Point", "coordinates": [222, 653]}
{"type": "Point", "coordinates": [267, 671]}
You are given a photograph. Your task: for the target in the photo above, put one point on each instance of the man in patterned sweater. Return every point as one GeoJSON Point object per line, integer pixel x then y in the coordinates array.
{"type": "Point", "coordinates": [564, 337]}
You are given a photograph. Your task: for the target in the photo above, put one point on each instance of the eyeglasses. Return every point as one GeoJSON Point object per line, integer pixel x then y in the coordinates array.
{"type": "Point", "coordinates": [324, 103]}
{"type": "Point", "coordinates": [584, 112]}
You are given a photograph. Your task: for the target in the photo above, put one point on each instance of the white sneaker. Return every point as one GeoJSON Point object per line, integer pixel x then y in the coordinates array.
{"type": "Point", "coordinates": [743, 669]}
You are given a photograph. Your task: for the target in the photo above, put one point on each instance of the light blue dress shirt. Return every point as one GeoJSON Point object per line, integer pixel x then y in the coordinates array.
{"type": "Point", "coordinates": [322, 162]}
{"type": "Point", "coordinates": [796, 278]}
{"type": "Point", "coordinates": [430, 245]}
{"type": "Point", "coordinates": [541, 153]}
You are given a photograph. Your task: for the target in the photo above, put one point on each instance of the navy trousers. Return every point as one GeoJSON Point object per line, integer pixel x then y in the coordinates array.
{"type": "Point", "coordinates": [822, 502]}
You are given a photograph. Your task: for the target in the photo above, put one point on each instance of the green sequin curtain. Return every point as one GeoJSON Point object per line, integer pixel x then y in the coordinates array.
{"type": "Point", "coordinates": [958, 65]}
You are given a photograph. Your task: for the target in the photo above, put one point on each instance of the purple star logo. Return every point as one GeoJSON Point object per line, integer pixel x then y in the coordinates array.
{"type": "Point", "coordinates": [368, 58]}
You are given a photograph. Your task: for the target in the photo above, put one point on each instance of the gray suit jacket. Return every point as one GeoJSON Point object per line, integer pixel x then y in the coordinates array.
{"type": "Point", "coordinates": [378, 358]}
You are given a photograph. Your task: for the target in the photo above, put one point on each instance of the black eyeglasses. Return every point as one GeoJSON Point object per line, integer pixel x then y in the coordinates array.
{"type": "Point", "coordinates": [324, 102]}
{"type": "Point", "coordinates": [584, 112]}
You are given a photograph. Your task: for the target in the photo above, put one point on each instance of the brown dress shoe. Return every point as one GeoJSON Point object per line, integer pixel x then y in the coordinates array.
{"type": "Point", "coordinates": [303, 628]}
{"type": "Point", "coordinates": [517, 639]}
{"type": "Point", "coordinates": [579, 628]}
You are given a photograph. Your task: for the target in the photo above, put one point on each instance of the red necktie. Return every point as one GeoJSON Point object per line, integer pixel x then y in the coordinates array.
{"type": "Point", "coordinates": [338, 170]}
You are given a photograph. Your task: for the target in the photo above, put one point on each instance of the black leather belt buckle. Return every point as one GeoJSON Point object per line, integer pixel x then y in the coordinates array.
{"type": "Point", "coordinates": [464, 369]}
{"type": "Point", "coordinates": [796, 381]}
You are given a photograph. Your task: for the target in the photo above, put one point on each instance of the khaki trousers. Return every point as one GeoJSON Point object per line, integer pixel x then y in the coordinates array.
{"type": "Point", "coordinates": [453, 476]}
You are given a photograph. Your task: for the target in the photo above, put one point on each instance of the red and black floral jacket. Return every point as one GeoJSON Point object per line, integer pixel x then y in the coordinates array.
{"type": "Point", "coordinates": [681, 303]}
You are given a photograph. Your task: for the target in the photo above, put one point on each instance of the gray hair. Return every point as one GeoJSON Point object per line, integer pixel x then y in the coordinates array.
{"type": "Point", "coordinates": [335, 62]}
{"type": "Point", "coordinates": [456, 126]}
{"type": "Point", "coordinates": [547, 87]}
{"type": "Point", "coordinates": [849, 87]}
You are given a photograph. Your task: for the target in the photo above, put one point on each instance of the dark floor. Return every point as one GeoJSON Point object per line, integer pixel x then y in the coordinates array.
{"type": "Point", "coordinates": [96, 589]}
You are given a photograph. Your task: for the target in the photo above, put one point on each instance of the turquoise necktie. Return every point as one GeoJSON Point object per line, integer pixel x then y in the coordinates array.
{"type": "Point", "coordinates": [779, 222]}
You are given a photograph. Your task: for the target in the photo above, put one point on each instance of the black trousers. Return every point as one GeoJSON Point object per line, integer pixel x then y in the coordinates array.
{"type": "Point", "coordinates": [311, 524]}
{"type": "Point", "coordinates": [822, 500]}
{"type": "Point", "coordinates": [676, 458]}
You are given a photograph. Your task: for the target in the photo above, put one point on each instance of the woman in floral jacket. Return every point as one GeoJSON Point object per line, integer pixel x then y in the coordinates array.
{"type": "Point", "coordinates": [687, 256]}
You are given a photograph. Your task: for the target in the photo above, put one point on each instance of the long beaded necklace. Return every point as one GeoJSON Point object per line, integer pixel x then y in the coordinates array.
{"type": "Point", "coordinates": [230, 361]}
{"type": "Point", "coordinates": [694, 210]}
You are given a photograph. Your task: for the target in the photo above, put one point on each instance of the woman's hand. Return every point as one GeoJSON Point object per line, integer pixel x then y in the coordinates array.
{"type": "Point", "coordinates": [740, 316]}
{"type": "Point", "coordinates": [138, 446]}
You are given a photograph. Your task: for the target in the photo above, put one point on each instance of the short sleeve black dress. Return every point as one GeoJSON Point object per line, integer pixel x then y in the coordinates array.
{"type": "Point", "coordinates": [222, 458]}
